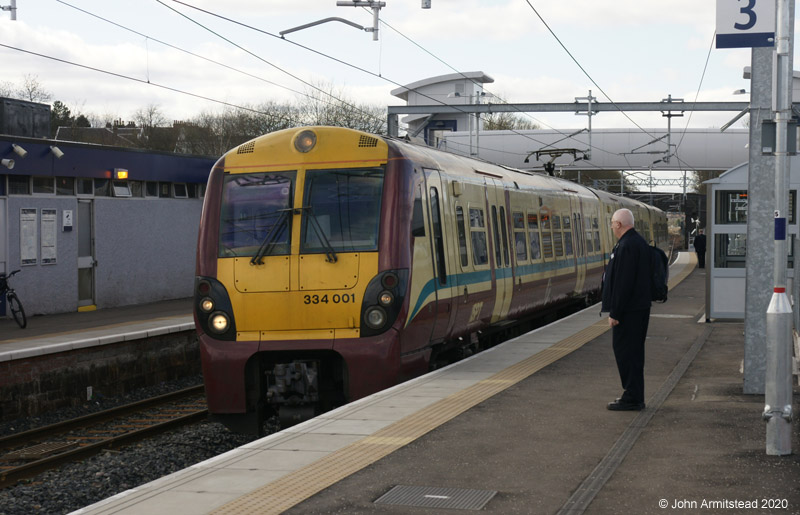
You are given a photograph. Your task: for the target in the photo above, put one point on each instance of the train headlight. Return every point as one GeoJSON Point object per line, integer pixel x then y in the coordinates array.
{"type": "Point", "coordinates": [219, 322]}
{"type": "Point", "coordinates": [305, 141]}
{"type": "Point", "coordinates": [375, 317]}
{"type": "Point", "coordinates": [386, 298]}
{"type": "Point", "coordinates": [206, 305]}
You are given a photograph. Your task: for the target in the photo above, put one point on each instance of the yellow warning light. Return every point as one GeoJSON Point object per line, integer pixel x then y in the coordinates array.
{"type": "Point", "coordinates": [120, 173]}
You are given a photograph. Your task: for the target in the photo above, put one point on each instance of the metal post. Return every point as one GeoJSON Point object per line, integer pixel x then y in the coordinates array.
{"type": "Point", "coordinates": [589, 112]}
{"type": "Point", "coordinates": [760, 204]}
{"type": "Point", "coordinates": [778, 387]}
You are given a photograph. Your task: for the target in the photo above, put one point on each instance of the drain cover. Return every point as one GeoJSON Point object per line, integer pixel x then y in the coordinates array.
{"type": "Point", "coordinates": [435, 497]}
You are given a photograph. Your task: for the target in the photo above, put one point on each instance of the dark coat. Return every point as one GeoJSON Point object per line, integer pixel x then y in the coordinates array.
{"type": "Point", "coordinates": [626, 282]}
{"type": "Point", "coordinates": [700, 243]}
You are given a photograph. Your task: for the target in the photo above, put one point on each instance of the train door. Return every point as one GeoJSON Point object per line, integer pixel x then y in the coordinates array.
{"type": "Point", "coordinates": [438, 230]}
{"type": "Point", "coordinates": [86, 261]}
{"type": "Point", "coordinates": [580, 254]}
{"type": "Point", "coordinates": [503, 273]}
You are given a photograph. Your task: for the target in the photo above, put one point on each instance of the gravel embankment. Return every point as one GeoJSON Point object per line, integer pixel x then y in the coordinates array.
{"type": "Point", "coordinates": [76, 485]}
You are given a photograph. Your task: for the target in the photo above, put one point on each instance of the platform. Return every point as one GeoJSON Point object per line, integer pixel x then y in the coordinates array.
{"type": "Point", "coordinates": [526, 422]}
{"type": "Point", "coordinates": [50, 334]}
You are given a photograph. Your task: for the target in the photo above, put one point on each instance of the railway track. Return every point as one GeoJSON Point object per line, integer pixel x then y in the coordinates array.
{"type": "Point", "coordinates": [26, 454]}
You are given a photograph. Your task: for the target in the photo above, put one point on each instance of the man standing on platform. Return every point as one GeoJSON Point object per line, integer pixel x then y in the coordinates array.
{"type": "Point", "coordinates": [626, 299]}
{"type": "Point", "coordinates": [700, 248]}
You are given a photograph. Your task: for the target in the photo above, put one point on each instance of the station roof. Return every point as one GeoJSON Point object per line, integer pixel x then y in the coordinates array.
{"type": "Point", "coordinates": [403, 91]}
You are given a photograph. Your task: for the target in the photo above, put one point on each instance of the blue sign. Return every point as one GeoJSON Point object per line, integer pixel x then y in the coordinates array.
{"type": "Point", "coordinates": [745, 23]}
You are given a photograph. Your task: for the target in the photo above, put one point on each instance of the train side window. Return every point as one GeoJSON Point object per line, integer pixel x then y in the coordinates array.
{"type": "Point", "coordinates": [558, 239]}
{"type": "Point", "coordinates": [496, 232]}
{"type": "Point", "coordinates": [567, 237]}
{"type": "Point", "coordinates": [578, 242]}
{"type": "Point", "coordinates": [417, 218]}
{"type": "Point", "coordinates": [547, 235]}
{"type": "Point", "coordinates": [477, 224]}
{"type": "Point", "coordinates": [438, 237]}
{"type": "Point", "coordinates": [462, 235]}
{"type": "Point", "coordinates": [520, 241]}
{"type": "Point", "coordinates": [503, 225]}
{"type": "Point", "coordinates": [533, 232]}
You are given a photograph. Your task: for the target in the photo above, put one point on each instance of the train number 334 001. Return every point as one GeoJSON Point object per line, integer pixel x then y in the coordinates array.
{"type": "Point", "coordinates": [334, 299]}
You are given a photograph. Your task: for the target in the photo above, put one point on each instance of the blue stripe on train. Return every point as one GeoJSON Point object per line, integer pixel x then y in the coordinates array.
{"type": "Point", "coordinates": [465, 279]}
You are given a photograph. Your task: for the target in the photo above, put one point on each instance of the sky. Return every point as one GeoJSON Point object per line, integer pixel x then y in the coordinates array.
{"type": "Point", "coordinates": [627, 50]}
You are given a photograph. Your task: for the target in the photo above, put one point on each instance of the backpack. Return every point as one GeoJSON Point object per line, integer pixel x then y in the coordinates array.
{"type": "Point", "coordinates": [659, 265]}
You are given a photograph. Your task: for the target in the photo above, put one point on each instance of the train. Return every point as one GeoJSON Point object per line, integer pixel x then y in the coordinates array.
{"type": "Point", "coordinates": [334, 263]}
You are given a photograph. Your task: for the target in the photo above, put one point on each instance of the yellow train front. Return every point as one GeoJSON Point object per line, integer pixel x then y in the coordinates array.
{"type": "Point", "coordinates": [294, 290]}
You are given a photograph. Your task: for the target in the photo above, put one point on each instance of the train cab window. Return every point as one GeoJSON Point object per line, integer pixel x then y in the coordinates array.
{"type": "Point", "coordinates": [341, 210]}
{"type": "Point", "coordinates": [477, 225]}
{"type": "Point", "coordinates": [567, 236]}
{"type": "Point", "coordinates": [520, 241]}
{"type": "Point", "coordinates": [533, 233]}
{"type": "Point", "coordinates": [461, 228]}
{"type": "Point", "coordinates": [254, 216]}
{"type": "Point", "coordinates": [438, 237]}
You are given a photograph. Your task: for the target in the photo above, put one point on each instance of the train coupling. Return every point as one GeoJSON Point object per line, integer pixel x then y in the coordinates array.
{"type": "Point", "coordinates": [293, 383]}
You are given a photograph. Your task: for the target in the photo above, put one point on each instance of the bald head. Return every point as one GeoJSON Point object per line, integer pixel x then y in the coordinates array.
{"type": "Point", "coordinates": [624, 217]}
{"type": "Point", "coordinates": [621, 222]}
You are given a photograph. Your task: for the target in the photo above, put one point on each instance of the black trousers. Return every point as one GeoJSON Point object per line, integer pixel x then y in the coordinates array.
{"type": "Point", "coordinates": [701, 258]}
{"type": "Point", "coordinates": [628, 340]}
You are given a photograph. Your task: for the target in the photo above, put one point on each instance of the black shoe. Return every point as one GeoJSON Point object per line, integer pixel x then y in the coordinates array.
{"type": "Point", "coordinates": [620, 405]}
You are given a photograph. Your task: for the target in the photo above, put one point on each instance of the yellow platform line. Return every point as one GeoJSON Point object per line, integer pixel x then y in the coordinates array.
{"type": "Point", "coordinates": [282, 494]}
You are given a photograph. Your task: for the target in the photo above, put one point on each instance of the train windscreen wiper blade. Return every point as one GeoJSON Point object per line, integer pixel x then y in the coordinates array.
{"type": "Point", "coordinates": [329, 250]}
{"type": "Point", "coordinates": [272, 236]}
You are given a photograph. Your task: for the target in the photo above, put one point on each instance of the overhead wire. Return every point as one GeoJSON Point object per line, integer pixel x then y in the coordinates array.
{"type": "Point", "coordinates": [338, 60]}
{"type": "Point", "coordinates": [558, 40]}
{"type": "Point", "coordinates": [266, 61]}
{"type": "Point", "coordinates": [480, 85]}
{"type": "Point", "coordinates": [141, 81]}
{"type": "Point", "coordinates": [669, 150]}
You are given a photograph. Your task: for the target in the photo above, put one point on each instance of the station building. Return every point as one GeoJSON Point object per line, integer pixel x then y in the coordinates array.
{"type": "Point", "coordinates": [93, 226]}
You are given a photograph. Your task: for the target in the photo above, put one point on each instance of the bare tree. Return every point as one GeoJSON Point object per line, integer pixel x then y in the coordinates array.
{"type": "Point", "coordinates": [33, 90]}
{"type": "Point", "coordinates": [327, 105]}
{"type": "Point", "coordinates": [507, 121]}
{"type": "Point", "coordinates": [7, 89]}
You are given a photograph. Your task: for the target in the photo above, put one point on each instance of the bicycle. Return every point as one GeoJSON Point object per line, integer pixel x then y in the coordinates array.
{"type": "Point", "coordinates": [13, 301]}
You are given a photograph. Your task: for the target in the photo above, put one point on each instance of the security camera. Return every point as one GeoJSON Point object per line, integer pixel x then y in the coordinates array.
{"type": "Point", "coordinates": [8, 163]}
{"type": "Point", "coordinates": [21, 152]}
{"type": "Point", "coordinates": [56, 151]}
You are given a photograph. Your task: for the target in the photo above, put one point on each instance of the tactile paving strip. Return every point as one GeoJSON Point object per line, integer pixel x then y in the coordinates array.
{"type": "Point", "coordinates": [294, 488]}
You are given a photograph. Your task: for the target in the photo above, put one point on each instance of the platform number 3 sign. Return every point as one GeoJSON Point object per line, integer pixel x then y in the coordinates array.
{"type": "Point", "coordinates": [745, 23]}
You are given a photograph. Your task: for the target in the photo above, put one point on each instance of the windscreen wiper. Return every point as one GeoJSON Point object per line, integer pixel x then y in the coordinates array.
{"type": "Point", "coordinates": [329, 250]}
{"type": "Point", "coordinates": [272, 236]}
